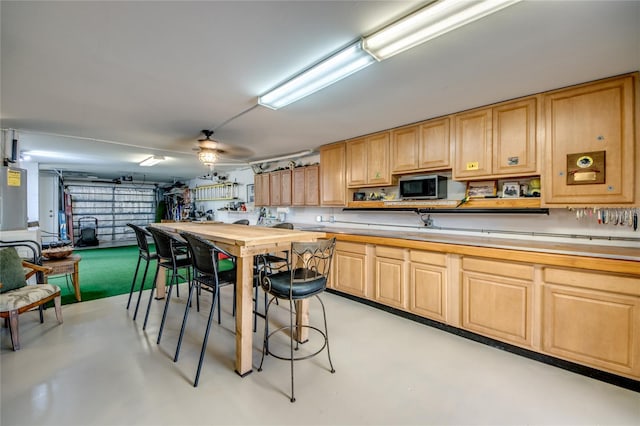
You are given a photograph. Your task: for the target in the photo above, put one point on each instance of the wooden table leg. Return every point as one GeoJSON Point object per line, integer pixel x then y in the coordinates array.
{"type": "Point", "coordinates": [76, 281]}
{"type": "Point", "coordinates": [161, 284]}
{"type": "Point", "coordinates": [302, 318]}
{"type": "Point", "coordinates": [244, 312]}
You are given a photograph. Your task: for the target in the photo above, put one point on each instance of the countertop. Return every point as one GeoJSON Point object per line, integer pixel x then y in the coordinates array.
{"type": "Point", "coordinates": [573, 249]}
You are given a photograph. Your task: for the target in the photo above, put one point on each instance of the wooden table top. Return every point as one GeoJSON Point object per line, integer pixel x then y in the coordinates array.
{"type": "Point", "coordinates": [241, 235]}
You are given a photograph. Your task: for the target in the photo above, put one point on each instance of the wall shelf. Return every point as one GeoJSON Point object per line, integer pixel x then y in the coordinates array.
{"type": "Point", "coordinates": [474, 205]}
{"type": "Point", "coordinates": [217, 192]}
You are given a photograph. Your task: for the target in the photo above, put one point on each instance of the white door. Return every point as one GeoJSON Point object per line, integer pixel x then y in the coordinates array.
{"type": "Point", "coordinates": [48, 207]}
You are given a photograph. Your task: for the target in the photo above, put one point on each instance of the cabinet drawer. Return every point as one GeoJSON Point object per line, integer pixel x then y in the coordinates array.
{"type": "Point", "coordinates": [429, 257]}
{"type": "Point", "coordinates": [390, 252]}
{"type": "Point", "coordinates": [505, 269]}
{"type": "Point", "coordinates": [351, 247]}
{"type": "Point", "coordinates": [608, 282]}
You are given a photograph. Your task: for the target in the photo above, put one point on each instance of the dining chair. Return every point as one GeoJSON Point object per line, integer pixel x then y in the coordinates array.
{"type": "Point", "coordinates": [144, 253]}
{"type": "Point", "coordinates": [207, 276]}
{"type": "Point", "coordinates": [307, 277]}
{"type": "Point", "coordinates": [173, 257]}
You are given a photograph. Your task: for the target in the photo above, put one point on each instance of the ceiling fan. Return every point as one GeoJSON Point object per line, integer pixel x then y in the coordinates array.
{"type": "Point", "coordinates": [210, 150]}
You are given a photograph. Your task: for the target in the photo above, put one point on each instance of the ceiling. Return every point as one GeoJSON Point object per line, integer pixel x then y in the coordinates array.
{"type": "Point", "coordinates": [99, 86]}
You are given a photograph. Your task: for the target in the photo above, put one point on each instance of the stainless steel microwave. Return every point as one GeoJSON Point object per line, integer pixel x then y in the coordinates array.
{"type": "Point", "coordinates": [425, 187]}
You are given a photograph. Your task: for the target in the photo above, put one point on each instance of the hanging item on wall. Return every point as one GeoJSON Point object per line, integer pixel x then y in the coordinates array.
{"type": "Point", "coordinates": [586, 168]}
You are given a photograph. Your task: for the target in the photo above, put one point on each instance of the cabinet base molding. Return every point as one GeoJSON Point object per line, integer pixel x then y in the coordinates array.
{"type": "Point", "coordinates": [603, 376]}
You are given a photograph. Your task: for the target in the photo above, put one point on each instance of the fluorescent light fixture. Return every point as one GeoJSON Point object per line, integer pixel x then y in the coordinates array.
{"type": "Point", "coordinates": [152, 161]}
{"type": "Point", "coordinates": [283, 157]}
{"type": "Point", "coordinates": [427, 23]}
{"type": "Point", "coordinates": [333, 69]}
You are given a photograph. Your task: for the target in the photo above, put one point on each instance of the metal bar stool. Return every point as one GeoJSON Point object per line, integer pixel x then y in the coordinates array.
{"type": "Point", "coordinates": [307, 277]}
{"type": "Point", "coordinates": [172, 257]}
{"type": "Point", "coordinates": [144, 253]}
{"type": "Point", "coordinates": [206, 275]}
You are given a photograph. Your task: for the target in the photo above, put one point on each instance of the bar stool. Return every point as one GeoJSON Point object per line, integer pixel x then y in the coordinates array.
{"type": "Point", "coordinates": [172, 257]}
{"type": "Point", "coordinates": [266, 264]}
{"type": "Point", "coordinates": [206, 275]}
{"type": "Point", "coordinates": [307, 277]}
{"type": "Point", "coordinates": [144, 253]}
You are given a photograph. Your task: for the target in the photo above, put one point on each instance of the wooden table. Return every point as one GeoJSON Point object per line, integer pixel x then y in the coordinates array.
{"type": "Point", "coordinates": [244, 242]}
{"type": "Point", "coordinates": [66, 266]}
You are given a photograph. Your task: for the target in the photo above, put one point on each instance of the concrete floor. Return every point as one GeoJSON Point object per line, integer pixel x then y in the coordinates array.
{"type": "Point", "coordinates": [100, 368]}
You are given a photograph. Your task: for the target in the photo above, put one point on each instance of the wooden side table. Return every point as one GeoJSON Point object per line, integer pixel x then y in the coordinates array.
{"type": "Point", "coordinates": [68, 265]}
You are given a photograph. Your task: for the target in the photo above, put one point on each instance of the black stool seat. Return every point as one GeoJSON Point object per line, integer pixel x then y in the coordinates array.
{"type": "Point", "coordinates": [310, 283]}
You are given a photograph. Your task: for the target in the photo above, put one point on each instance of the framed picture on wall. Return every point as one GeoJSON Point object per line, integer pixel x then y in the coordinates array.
{"type": "Point", "coordinates": [510, 190]}
{"type": "Point", "coordinates": [481, 189]}
{"type": "Point", "coordinates": [250, 193]}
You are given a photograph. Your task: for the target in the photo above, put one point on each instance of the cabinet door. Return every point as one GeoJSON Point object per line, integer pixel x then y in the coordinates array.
{"type": "Point", "coordinates": [593, 319]}
{"type": "Point", "coordinates": [333, 190]}
{"type": "Point", "coordinates": [349, 272]}
{"type": "Point", "coordinates": [473, 144]}
{"type": "Point", "coordinates": [434, 145]}
{"type": "Point", "coordinates": [298, 187]}
{"type": "Point", "coordinates": [404, 149]}
{"type": "Point", "coordinates": [311, 186]}
{"type": "Point", "coordinates": [275, 190]}
{"type": "Point", "coordinates": [262, 189]}
{"type": "Point", "coordinates": [497, 299]}
{"type": "Point", "coordinates": [427, 290]}
{"type": "Point", "coordinates": [389, 278]}
{"type": "Point", "coordinates": [356, 162]}
{"type": "Point", "coordinates": [257, 190]}
{"type": "Point", "coordinates": [378, 171]}
{"type": "Point", "coordinates": [285, 187]}
{"type": "Point", "coordinates": [596, 328]}
{"type": "Point", "coordinates": [514, 138]}
{"type": "Point", "coordinates": [591, 118]}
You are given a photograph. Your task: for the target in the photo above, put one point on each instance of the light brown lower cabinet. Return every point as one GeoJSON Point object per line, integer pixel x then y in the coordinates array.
{"type": "Point", "coordinates": [390, 277]}
{"type": "Point", "coordinates": [428, 284]}
{"type": "Point", "coordinates": [350, 271]}
{"type": "Point", "coordinates": [592, 319]}
{"type": "Point", "coordinates": [497, 300]}
{"type": "Point", "coordinates": [587, 317]}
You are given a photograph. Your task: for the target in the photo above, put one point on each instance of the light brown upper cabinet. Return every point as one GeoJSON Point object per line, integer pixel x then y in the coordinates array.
{"type": "Point", "coordinates": [262, 189]}
{"type": "Point", "coordinates": [581, 122]}
{"type": "Point", "coordinates": [497, 141]}
{"type": "Point", "coordinates": [275, 182]}
{"type": "Point", "coordinates": [368, 161]}
{"type": "Point", "coordinates": [333, 188]}
{"type": "Point", "coordinates": [421, 147]}
{"type": "Point", "coordinates": [305, 186]}
{"type": "Point", "coordinates": [285, 187]}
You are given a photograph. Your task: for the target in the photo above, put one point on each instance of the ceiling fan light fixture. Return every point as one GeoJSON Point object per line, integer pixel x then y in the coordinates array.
{"type": "Point", "coordinates": [428, 23]}
{"type": "Point", "coordinates": [152, 161]}
{"type": "Point", "coordinates": [208, 157]}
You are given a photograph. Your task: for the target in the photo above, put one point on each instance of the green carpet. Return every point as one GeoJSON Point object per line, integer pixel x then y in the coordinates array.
{"type": "Point", "coordinates": [106, 272]}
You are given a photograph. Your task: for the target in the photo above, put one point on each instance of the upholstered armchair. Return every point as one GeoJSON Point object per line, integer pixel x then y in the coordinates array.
{"type": "Point", "coordinates": [16, 297]}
